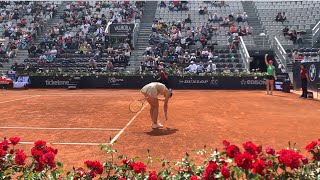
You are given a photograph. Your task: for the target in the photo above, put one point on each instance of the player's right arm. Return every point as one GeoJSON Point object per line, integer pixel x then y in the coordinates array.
{"type": "Point", "coordinates": [266, 59]}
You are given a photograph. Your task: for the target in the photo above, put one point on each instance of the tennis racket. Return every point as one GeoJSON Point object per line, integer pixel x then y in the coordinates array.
{"type": "Point", "coordinates": [136, 105]}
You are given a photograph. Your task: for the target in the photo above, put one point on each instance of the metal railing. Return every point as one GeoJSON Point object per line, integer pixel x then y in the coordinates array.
{"type": "Point", "coordinates": [135, 34]}
{"type": "Point", "coordinates": [280, 52]}
{"type": "Point", "coordinates": [315, 33]}
{"type": "Point", "coordinates": [244, 54]}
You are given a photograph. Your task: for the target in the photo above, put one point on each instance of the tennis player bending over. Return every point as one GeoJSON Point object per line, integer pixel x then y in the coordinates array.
{"type": "Point", "coordinates": [151, 92]}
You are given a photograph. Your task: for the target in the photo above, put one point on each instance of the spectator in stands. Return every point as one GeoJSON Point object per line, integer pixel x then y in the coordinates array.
{"type": "Point", "coordinates": [109, 65]}
{"type": "Point", "coordinates": [200, 68]}
{"type": "Point", "coordinates": [13, 49]}
{"type": "Point", "coordinates": [211, 68]}
{"type": "Point", "coordinates": [192, 68]}
{"type": "Point", "coordinates": [32, 50]}
{"type": "Point", "coordinates": [299, 38]}
{"type": "Point", "coordinates": [281, 68]}
{"type": "Point", "coordinates": [283, 17]}
{"type": "Point", "coordinates": [201, 10]}
{"type": "Point", "coordinates": [162, 4]}
{"type": "Point", "coordinates": [285, 30]}
{"type": "Point", "coordinates": [279, 17]}
{"type": "Point", "coordinates": [92, 64]}
{"type": "Point", "coordinates": [164, 77]}
{"type": "Point", "coordinates": [213, 18]}
{"type": "Point", "coordinates": [188, 20]}
{"type": "Point", "coordinates": [203, 40]}
{"type": "Point", "coordinates": [293, 36]}
{"type": "Point", "coordinates": [239, 18]}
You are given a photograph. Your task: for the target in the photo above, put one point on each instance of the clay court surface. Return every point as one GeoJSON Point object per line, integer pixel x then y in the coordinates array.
{"type": "Point", "coordinates": [75, 122]}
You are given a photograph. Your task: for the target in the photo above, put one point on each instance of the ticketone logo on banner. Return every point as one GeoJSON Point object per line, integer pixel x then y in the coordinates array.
{"type": "Point", "coordinates": [114, 80]}
{"type": "Point", "coordinates": [253, 82]}
{"type": "Point", "coordinates": [56, 83]}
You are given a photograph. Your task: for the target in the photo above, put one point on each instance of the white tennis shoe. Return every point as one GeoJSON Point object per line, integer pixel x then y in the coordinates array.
{"type": "Point", "coordinates": [155, 126]}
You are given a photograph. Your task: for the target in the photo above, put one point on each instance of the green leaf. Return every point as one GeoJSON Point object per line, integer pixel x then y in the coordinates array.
{"type": "Point", "coordinates": [59, 164]}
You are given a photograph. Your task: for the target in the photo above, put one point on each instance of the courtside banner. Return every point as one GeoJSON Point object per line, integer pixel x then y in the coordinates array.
{"type": "Point", "coordinates": [137, 82]}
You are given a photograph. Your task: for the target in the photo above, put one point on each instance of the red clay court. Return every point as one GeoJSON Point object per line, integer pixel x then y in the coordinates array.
{"type": "Point", "coordinates": [75, 122]}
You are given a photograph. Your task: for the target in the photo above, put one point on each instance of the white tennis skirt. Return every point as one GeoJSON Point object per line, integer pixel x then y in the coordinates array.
{"type": "Point", "coordinates": [150, 90]}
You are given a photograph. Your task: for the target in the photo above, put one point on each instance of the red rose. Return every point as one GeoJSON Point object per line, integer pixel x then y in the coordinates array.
{"type": "Point", "coordinates": [250, 148]}
{"type": "Point", "coordinates": [14, 140]}
{"type": "Point", "coordinates": [289, 158]}
{"type": "Point", "coordinates": [4, 144]}
{"type": "Point", "coordinates": [225, 172]}
{"type": "Point", "coordinates": [210, 170]}
{"type": "Point", "coordinates": [48, 158]}
{"type": "Point", "coordinates": [96, 167]}
{"type": "Point", "coordinates": [36, 153]}
{"type": "Point", "coordinates": [124, 161]}
{"type": "Point", "coordinates": [92, 174]}
{"type": "Point", "coordinates": [139, 167]}
{"type": "Point", "coordinates": [50, 149]}
{"type": "Point", "coordinates": [232, 151]}
{"type": "Point", "coordinates": [39, 167]}
{"type": "Point", "coordinates": [11, 151]}
{"type": "Point", "coordinates": [152, 175]}
{"type": "Point", "coordinates": [270, 150]}
{"type": "Point", "coordinates": [311, 146]}
{"type": "Point", "coordinates": [194, 177]}
{"type": "Point", "coordinates": [20, 158]}
{"type": "Point", "coordinates": [258, 167]}
{"type": "Point", "coordinates": [122, 179]}
{"type": "Point", "coordinates": [2, 153]}
{"type": "Point", "coordinates": [226, 144]}
{"type": "Point", "coordinates": [244, 160]}
{"type": "Point", "coordinates": [40, 144]}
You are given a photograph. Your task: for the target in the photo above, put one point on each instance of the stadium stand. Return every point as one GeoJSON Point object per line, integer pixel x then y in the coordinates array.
{"type": "Point", "coordinates": [21, 23]}
{"type": "Point", "coordinates": [299, 18]}
{"type": "Point", "coordinates": [72, 36]}
{"type": "Point", "coordinates": [80, 41]}
{"type": "Point", "coordinates": [189, 31]}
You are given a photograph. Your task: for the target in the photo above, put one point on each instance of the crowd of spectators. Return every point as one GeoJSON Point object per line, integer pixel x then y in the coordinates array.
{"type": "Point", "coordinates": [21, 22]}
{"type": "Point", "coordinates": [171, 42]}
{"type": "Point", "coordinates": [82, 32]}
{"type": "Point", "coordinates": [281, 17]}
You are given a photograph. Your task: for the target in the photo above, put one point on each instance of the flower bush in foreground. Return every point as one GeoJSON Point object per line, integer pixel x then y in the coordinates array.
{"type": "Point", "coordinates": [249, 162]}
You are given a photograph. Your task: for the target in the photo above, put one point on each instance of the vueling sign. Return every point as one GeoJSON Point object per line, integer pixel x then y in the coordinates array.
{"type": "Point", "coordinates": [121, 28]}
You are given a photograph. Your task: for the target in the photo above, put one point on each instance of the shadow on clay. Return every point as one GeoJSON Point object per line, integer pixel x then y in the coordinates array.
{"type": "Point", "coordinates": [162, 132]}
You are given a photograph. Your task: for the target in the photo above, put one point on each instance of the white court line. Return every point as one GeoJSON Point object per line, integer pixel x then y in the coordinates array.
{"type": "Point", "coordinates": [119, 133]}
{"type": "Point", "coordinates": [12, 100]}
{"type": "Point", "coordinates": [40, 128]}
{"type": "Point", "coordinates": [62, 143]}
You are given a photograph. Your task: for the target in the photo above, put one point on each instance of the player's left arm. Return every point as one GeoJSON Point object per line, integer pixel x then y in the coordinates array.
{"type": "Point", "coordinates": [165, 106]}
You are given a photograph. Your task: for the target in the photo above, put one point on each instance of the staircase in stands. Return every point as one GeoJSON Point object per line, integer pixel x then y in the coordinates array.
{"type": "Point", "coordinates": [143, 35]}
{"type": "Point", "coordinates": [23, 53]}
{"type": "Point", "coordinates": [261, 42]}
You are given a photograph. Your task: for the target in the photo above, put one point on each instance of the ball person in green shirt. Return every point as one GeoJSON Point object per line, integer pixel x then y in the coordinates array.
{"type": "Point", "coordinates": [271, 75]}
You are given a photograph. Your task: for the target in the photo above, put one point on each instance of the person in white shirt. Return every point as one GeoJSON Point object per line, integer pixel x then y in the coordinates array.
{"type": "Point", "coordinates": [192, 67]}
{"type": "Point", "coordinates": [205, 52]}
{"type": "Point", "coordinates": [178, 49]}
{"type": "Point", "coordinates": [53, 51]}
{"type": "Point", "coordinates": [99, 31]}
{"type": "Point", "coordinates": [211, 67]}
